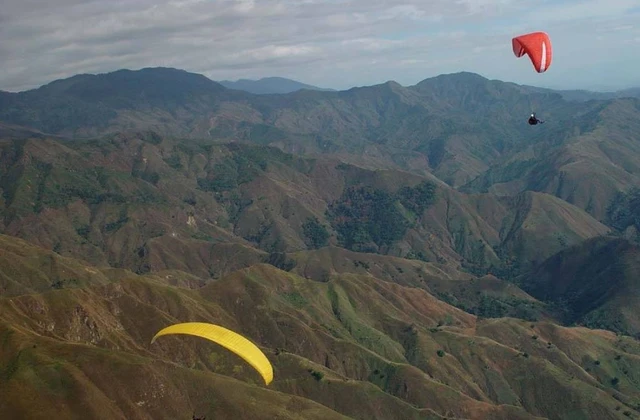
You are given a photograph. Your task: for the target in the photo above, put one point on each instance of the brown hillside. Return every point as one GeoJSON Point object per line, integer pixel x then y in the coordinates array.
{"type": "Point", "coordinates": [28, 269]}
{"type": "Point", "coordinates": [529, 227]}
{"type": "Point", "coordinates": [587, 171]}
{"type": "Point", "coordinates": [595, 283]}
{"type": "Point", "coordinates": [397, 252]}
{"type": "Point", "coordinates": [376, 343]}
{"type": "Point", "coordinates": [485, 296]}
{"type": "Point", "coordinates": [456, 125]}
{"type": "Point", "coordinates": [143, 202]}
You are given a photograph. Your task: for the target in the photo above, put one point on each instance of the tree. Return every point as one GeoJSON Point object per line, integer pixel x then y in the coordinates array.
{"type": "Point", "coordinates": [316, 233]}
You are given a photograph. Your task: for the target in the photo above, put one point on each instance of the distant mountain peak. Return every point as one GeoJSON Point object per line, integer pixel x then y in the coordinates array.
{"type": "Point", "coordinates": [269, 85]}
{"type": "Point", "coordinates": [148, 77]}
{"type": "Point", "coordinates": [462, 77]}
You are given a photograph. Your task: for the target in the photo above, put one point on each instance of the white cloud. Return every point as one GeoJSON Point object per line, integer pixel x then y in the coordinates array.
{"type": "Point", "coordinates": [333, 43]}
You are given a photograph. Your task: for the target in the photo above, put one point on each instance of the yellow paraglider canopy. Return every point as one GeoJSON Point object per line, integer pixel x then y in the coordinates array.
{"type": "Point", "coordinates": [228, 339]}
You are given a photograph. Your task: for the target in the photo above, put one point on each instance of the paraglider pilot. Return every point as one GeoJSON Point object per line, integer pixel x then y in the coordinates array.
{"type": "Point", "coordinates": [533, 120]}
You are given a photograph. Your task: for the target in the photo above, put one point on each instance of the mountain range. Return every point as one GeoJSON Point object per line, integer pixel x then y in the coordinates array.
{"type": "Point", "coordinates": [398, 252]}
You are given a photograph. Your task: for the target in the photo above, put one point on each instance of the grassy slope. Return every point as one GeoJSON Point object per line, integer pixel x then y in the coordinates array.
{"type": "Point", "coordinates": [141, 202]}
{"type": "Point", "coordinates": [587, 170]}
{"type": "Point", "coordinates": [375, 342]}
{"type": "Point", "coordinates": [467, 130]}
{"type": "Point", "coordinates": [374, 346]}
{"type": "Point", "coordinates": [596, 282]}
{"type": "Point", "coordinates": [455, 126]}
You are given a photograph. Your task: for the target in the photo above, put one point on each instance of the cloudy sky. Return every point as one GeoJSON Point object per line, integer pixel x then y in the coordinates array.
{"type": "Point", "coordinates": [329, 43]}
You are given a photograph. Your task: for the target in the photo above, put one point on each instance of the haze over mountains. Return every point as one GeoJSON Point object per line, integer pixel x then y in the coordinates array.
{"type": "Point", "coordinates": [398, 252]}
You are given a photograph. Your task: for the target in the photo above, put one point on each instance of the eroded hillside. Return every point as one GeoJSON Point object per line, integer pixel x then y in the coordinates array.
{"type": "Point", "coordinates": [354, 346]}
{"type": "Point", "coordinates": [143, 202]}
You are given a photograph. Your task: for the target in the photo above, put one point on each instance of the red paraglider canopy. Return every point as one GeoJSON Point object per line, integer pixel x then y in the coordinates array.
{"type": "Point", "coordinates": [537, 46]}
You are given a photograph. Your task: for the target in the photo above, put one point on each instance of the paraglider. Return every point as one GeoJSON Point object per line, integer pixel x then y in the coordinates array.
{"type": "Point", "coordinates": [537, 45]}
{"type": "Point", "coordinates": [228, 339]}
